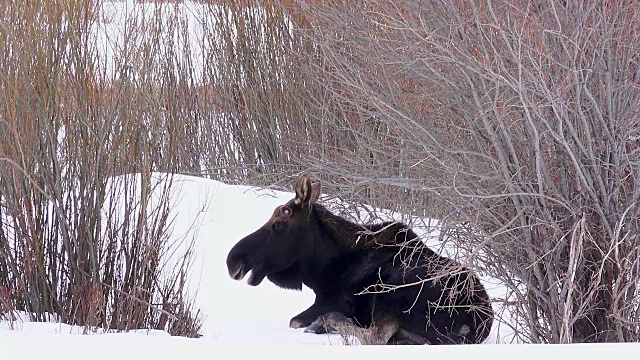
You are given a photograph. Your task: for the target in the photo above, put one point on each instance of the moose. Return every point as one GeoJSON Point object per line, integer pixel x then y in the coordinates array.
{"type": "Point", "coordinates": [377, 282]}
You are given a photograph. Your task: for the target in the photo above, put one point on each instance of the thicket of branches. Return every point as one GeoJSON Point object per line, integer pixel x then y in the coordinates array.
{"type": "Point", "coordinates": [518, 121]}
{"type": "Point", "coordinates": [513, 122]}
{"type": "Point", "coordinates": [277, 112]}
{"type": "Point", "coordinates": [85, 225]}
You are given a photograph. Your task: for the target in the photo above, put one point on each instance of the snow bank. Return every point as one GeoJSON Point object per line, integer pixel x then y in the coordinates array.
{"type": "Point", "coordinates": [20, 345]}
{"type": "Point", "coordinates": [216, 216]}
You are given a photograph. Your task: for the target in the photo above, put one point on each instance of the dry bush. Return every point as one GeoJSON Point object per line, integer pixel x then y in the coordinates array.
{"type": "Point", "coordinates": [265, 109]}
{"type": "Point", "coordinates": [259, 119]}
{"type": "Point", "coordinates": [229, 106]}
{"type": "Point", "coordinates": [84, 216]}
{"type": "Point", "coordinates": [516, 123]}
{"type": "Point", "coordinates": [270, 110]}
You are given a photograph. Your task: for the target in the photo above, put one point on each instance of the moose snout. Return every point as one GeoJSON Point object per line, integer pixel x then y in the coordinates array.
{"type": "Point", "coordinates": [237, 271]}
{"type": "Point", "coordinates": [236, 266]}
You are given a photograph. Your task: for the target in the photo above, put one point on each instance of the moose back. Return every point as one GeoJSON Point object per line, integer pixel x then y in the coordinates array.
{"type": "Point", "coordinates": [378, 282]}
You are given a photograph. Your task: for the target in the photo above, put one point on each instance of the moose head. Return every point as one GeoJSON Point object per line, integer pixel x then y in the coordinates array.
{"type": "Point", "coordinates": [276, 249]}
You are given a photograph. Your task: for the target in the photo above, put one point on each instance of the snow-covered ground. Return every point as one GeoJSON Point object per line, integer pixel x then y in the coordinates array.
{"type": "Point", "coordinates": [239, 319]}
{"type": "Point", "coordinates": [217, 215]}
{"type": "Point", "coordinates": [46, 346]}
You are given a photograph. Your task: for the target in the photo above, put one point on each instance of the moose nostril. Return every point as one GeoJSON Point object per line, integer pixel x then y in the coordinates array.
{"type": "Point", "coordinates": [237, 272]}
{"type": "Point", "coordinates": [235, 262]}
{"type": "Point", "coordinates": [278, 226]}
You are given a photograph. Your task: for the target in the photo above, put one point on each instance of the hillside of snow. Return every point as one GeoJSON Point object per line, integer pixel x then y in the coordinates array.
{"type": "Point", "coordinates": [242, 320]}
{"type": "Point", "coordinates": [216, 216]}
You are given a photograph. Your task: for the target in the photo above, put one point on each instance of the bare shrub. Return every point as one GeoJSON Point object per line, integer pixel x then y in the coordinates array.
{"type": "Point", "coordinates": [516, 123]}
{"type": "Point", "coordinates": [84, 216]}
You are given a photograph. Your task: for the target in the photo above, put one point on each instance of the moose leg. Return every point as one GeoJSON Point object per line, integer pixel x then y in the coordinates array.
{"type": "Point", "coordinates": [322, 305]}
{"type": "Point", "coordinates": [331, 322]}
{"type": "Point", "coordinates": [305, 318]}
{"type": "Point", "coordinates": [379, 333]}
{"type": "Point", "coordinates": [405, 337]}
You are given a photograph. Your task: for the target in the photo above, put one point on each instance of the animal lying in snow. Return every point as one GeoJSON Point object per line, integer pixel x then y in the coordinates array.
{"type": "Point", "coordinates": [352, 269]}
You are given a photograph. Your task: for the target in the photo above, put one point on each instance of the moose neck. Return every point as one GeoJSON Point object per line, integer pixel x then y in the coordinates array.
{"type": "Point", "coordinates": [351, 237]}
{"type": "Point", "coordinates": [346, 235]}
{"type": "Point", "coordinates": [340, 248]}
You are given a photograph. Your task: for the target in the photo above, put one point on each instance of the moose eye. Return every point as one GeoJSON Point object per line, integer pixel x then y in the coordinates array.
{"type": "Point", "coordinates": [286, 211]}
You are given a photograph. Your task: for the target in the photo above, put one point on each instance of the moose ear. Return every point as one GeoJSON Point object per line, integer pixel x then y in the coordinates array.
{"type": "Point", "coordinates": [305, 191]}
{"type": "Point", "coordinates": [316, 188]}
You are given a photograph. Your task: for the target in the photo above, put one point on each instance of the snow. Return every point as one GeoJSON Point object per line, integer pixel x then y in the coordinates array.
{"type": "Point", "coordinates": [216, 216]}
{"type": "Point", "coordinates": [121, 27]}
{"type": "Point", "coordinates": [226, 214]}
{"type": "Point", "coordinates": [134, 346]}
{"type": "Point", "coordinates": [239, 319]}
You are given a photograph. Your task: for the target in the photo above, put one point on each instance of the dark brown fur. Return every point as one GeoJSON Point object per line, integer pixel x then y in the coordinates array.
{"type": "Point", "coordinates": [304, 243]}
